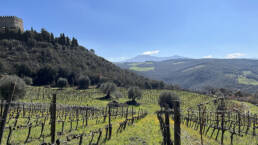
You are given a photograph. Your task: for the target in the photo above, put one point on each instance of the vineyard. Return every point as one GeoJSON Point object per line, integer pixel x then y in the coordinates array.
{"type": "Point", "coordinates": [70, 116]}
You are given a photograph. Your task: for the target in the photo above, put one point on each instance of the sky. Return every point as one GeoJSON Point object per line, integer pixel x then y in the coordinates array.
{"type": "Point", "coordinates": [121, 29]}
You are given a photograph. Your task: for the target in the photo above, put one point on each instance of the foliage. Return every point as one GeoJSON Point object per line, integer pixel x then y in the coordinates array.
{"type": "Point", "coordinates": [108, 88]}
{"type": "Point", "coordinates": [12, 86]}
{"type": "Point", "coordinates": [62, 82]}
{"type": "Point", "coordinates": [84, 83]}
{"type": "Point", "coordinates": [45, 76]}
{"type": "Point", "coordinates": [134, 92]}
{"type": "Point", "coordinates": [168, 99]}
{"type": "Point", "coordinates": [117, 94]}
{"type": "Point", "coordinates": [28, 80]}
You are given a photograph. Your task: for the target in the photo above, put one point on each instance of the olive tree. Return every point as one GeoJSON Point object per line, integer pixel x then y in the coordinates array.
{"type": "Point", "coordinates": [133, 93]}
{"type": "Point", "coordinates": [167, 100]}
{"type": "Point", "coordinates": [12, 87]}
{"type": "Point", "coordinates": [108, 88]}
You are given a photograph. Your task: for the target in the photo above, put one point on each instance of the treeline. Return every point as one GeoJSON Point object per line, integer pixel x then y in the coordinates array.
{"type": "Point", "coordinates": [31, 37]}
{"type": "Point", "coordinates": [45, 58]}
{"type": "Point", "coordinates": [233, 94]}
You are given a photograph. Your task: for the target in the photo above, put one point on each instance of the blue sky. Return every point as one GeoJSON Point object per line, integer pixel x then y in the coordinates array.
{"type": "Point", "coordinates": [119, 29]}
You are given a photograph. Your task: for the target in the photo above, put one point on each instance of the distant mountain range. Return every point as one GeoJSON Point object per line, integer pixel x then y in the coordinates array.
{"type": "Point", "coordinates": [200, 73]}
{"type": "Point", "coordinates": [143, 58]}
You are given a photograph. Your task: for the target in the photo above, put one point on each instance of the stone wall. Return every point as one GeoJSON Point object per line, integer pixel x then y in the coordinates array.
{"type": "Point", "coordinates": [11, 22]}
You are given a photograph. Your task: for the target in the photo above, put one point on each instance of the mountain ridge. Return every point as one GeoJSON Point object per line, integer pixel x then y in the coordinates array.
{"type": "Point", "coordinates": [143, 58]}
{"type": "Point", "coordinates": [200, 73]}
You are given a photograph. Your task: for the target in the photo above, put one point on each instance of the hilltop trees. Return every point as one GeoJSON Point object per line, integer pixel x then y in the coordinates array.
{"type": "Point", "coordinates": [108, 88]}
{"type": "Point", "coordinates": [133, 93]}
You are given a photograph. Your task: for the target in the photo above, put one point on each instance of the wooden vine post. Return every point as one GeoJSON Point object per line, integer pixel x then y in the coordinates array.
{"type": "Point", "coordinates": [5, 114]}
{"type": "Point", "coordinates": [3, 119]}
{"type": "Point", "coordinates": [53, 119]}
{"type": "Point", "coordinates": [177, 128]}
{"type": "Point", "coordinates": [109, 123]}
{"type": "Point", "coordinates": [167, 132]}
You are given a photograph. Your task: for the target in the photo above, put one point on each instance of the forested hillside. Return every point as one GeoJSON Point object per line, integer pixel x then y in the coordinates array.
{"type": "Point", "coordinates": [45, 58]}
{"type": "Point", "coordinates": [202, 73]}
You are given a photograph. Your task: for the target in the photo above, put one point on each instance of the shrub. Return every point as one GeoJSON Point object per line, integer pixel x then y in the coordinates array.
{"type": "Point", "coordinates": [12, 86]}
{"type": "Point", "coordinates": [168, 99]}
{"type": "Point", "coordinates": [108, 88]}
{"type": "Point", "coordinates": [84, 83]}
{"type": "Point", "coordinates": [62, 82]}
{"type": "Point", "coordinates": [28, 80]}
{"type": "Point", "coordinates": [134, 92]}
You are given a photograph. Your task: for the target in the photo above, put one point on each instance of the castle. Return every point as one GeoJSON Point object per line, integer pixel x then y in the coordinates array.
{"type": "Point", "coordinates": [11, 22]}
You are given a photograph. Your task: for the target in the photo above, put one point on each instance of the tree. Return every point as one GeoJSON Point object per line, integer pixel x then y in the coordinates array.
{"type": "Point", "coordinates": [12, 87]}
{"type": "Point", "coordinates": [167, 100]}
{"type": "Point", "coordinates": [23, 70]}
{"type": "Point", "coordinates": [62, 82]}
{"type": "Point", "coordinates": [84, 83]}
{"type": "Point", "coordinates": [133, 93]}
{"type": "Point", "coordinates": [117, 94]}
{"type": "Point", "coordinates": [147, 85]}
{"type": "Point", "coordinates": [74, 42]}
{"type": "Point", "coordinates": [28, 80]}
{"type": "Point", "coordinates": [108, 88]}
{"type": "Point", "coordinates": [45, 76]}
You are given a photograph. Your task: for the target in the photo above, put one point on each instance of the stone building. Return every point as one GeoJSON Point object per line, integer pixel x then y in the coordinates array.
{"type": "Point", "coordinates": [11, 22]}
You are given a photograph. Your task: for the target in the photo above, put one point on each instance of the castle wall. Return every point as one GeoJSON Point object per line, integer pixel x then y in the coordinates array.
{"type": "Point", "coordinates": [11, 22]}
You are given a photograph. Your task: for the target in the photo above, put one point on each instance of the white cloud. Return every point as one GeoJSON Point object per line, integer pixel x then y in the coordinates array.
{"type": "Point", "coordinates": [208, 56]}
{"type": "Point", "coordinates": [150, 52]}
{"type": "Point", "coordinates": [235, 55]}
{"type": "Point", "coordinates": [118, 59]}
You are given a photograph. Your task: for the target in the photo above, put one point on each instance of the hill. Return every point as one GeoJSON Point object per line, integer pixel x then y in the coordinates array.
{"type": "Point", "coordinates": [202, 73]}
{"type": "Point", "coordinates": [143, 58]}
{"type": "Point", "coordinates": [46, 58]}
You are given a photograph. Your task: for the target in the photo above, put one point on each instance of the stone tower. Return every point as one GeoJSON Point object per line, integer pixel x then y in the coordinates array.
{"type": "Point", "coordinates": [11, 22]}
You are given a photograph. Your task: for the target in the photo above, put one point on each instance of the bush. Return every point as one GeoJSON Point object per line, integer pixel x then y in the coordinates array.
{"type": "Point", "coordinates": [108, 88]}
{"type": "Point", "coordinates": [168, 99]}
{"type": "Point", "coordinates": [84, 83]}
{"type": "Point", "coordinates": [134, 92]}
{"type": "Point", "coordinates": [12, 86]}
{"type": "Point", "coordinates": [28, 80]}
{"type": "Point", "coordinates": [62, 82]}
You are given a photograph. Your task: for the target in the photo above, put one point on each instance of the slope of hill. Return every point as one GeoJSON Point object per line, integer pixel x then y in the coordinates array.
{"type": "Point", "coordinates": [45, 58]}
{"type": "Point", "coordinates": [201, 73]}
{"type": "Point", "coordinates": [143, 58]}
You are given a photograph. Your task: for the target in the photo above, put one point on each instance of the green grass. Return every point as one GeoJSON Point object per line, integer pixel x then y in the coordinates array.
{"type": "Point", "coordinates": [145, 131]}
{"type": "Point", "coordinates": [245, 81]}
{"type": "Point", "coordinates": [136, 68]}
